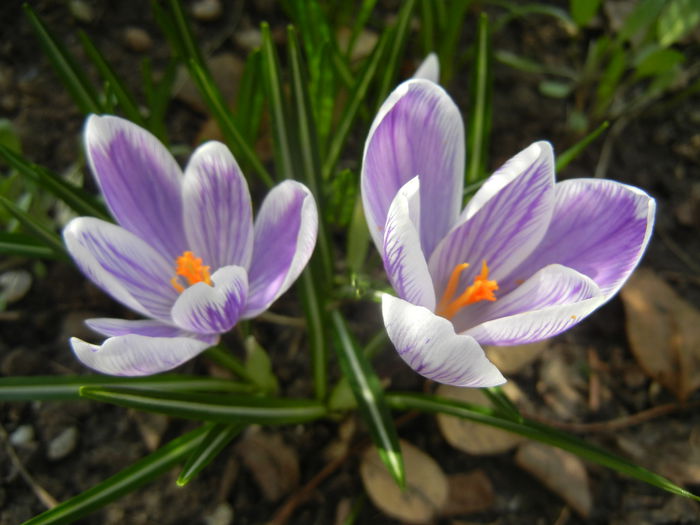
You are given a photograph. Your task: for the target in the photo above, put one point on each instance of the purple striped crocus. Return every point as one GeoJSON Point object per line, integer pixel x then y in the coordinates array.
{"type": "Point", "coordinates": [526, 259]}
{"type": "Point", "coordinates": [186, 253]}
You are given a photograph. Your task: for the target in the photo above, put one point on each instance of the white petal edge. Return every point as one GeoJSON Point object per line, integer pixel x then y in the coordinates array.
{"type": "Point", "coordinates": [429, 69]}
{"type": "Point", "coordinates": [404, 260]}
{"type": "Point", "coordinates": [430, 346]}
{"type": "Point", "coordinates": [137, 355]}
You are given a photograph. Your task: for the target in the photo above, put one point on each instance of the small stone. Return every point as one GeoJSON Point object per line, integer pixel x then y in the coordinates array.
{"type": "Point", "coordinates": [207, 10]}
{"type": "Point", "coordinates": [248, 39]}
{"type": "Point", "coordinates": [81, 11]}
{"type": "Point", "coordinates": [137, 39]}
{"type": "Point", "coordinates": [63, 444]}
{"type": "Point", "coordinates": [22, 436]}
{"type": "Point", "coordinates": [222, 515]}
{"type": "Point", "coordinates": [14, 285]}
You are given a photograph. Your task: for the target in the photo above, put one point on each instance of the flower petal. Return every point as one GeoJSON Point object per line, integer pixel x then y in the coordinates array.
{"type": "Point", "coordinates": [205, 309]}
{"type": "Point", "coordinates": [429, 69]}
{"type": "Point", "coordinates": [123, 265]}
{"type": "Point", "coordinates": [507, 222]}
{"type": "Point", "coordinates": [218, 215]}
{"type": "Point", "coordinates": [553, 285]}
{"type": "Point", "coordinates": [113, 327]}
{"type": "Point", "coordinates": [600, 228]}
{"type": "Point", "coordinates": [139, 179]}
{"type": "Point", "coordinates": [418, 131]}
{"type": "Point", "coordinates": [285, 235]}
{"type": "Point", "coordinates": [137, 355]}
{"type": "Point", "coordinates": [429, 345]}
{"type": "Point", "coordinates": [404, 261]}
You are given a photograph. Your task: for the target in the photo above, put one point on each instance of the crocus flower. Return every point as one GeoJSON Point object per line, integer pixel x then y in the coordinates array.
{"type": "Point", "coordinates": [525, 260]}
{"type": "Point", "coordinates": [186, 253]}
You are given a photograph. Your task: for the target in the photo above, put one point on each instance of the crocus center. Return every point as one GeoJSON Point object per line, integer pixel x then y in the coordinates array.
{"type": "Point", "coordinates": [189, 267]}
{"type": "Point", "coordinates": [481, 290]}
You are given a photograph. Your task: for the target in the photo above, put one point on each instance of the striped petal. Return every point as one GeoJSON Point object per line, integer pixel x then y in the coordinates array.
{"type": "Point", "coordinates": [206, 309]}
{"type": "Point", "coordinates": [429, 69]}
{"type": "Point", "coordinates": [418, 131]}
{"type": "Point", "coordinates": [285, 235]}
{"type": "Point", "coordinates": [110, 327]}
{"type": "Point", "coordinates": [218, 214]}
{"type": "Point", "coordinates": [429, 345]}
{"type": "Point", "coordinates": [139, 179]}
{"type": "Point", "coordinates": [123, 265]}
{"type": "Point", "coordinates": [137, 355]}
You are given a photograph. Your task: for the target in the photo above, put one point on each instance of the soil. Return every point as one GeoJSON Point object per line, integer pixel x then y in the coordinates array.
{"type": "Point", "coordinates": [658, 151]}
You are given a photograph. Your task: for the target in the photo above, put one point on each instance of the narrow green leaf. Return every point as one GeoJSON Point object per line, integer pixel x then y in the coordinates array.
{"type": "Point", "coordinates": [67, 68]}
{"type": "Point", "coordinates": [532, 430]}
{"type": "Point", "coordinates": [659, 62]}
{"type": "Point", "coordinates": [67, 388]}
{"type": "Point", "coordinates": [158, 94]}
{"type": "Point", "coordinates": [358, 237]}
{"type": "Point", "coordinates": [583, 11]}
{"type": "Point", "coordinates": [49, 237]}
{"type": "Point", "coordinates": [640, 19]}
{"type": "Point", "coordinates": [223, 357]}
{"type": "Point", "coordinates": [259, 367]}
{"type": "Point", "coordinates": [323, 96]}
{"type": "Point", "coordinates": [428, 26]}
{"type": "Point", "coordinates": [370, 399]}
{"type": "Point", "coordinates": [479, 123]}
{"type": "Point", "coordinates": [607, 86]}
{"type": "Point", "coordinates": [207, 407]}
{"type": "Point", "coordinates": [316, 330]}
{"type": "Point", "coordinates": [178, 21]}
{"type": "Point", "coordinates": [218, 436]}
{"type": "Point", "coordinates": [251, 98]}
{"type": "Point", "coordinates": [449, 36]}
{"type": "Point", "coordinates": [125, 99]}
{"type": "Point", "coordinates": [574, 151]}
{"type": "Point", "coordinates": [678, 18]}
{"type": "Point", "coordinates": [361, 16]}
{"type": "Point", "coordinates": [501, 401]}
{"type": "Point", "coordinates": [390, 66]}
{"type": "Point", "coordinates": [128, 480]}
{"type": "Point", "coordinates": [21, 245]}
{"type": "Point", "coordinates": [76, 198]}
{"type": "Point", "coordinates": [357, 96]}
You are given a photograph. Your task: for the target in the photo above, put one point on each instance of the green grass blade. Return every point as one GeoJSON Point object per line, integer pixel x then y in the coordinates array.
{"type": "Point", "coordinates": [391, 64]}
{"type": "Point", "coordinates": [358, 238]}
{"type": "Point", "coordinates": [316, 331]}
{"type": "Point", "coordinates": [67, 388]}
{"type": "Point", "coordinates": [128, 480]}
{"type": "Point", "coordinates": [574, 151]}
{"type": "Point", "coordinates": [449, 37]}
{"type": "Point", "coordinates": [357, 97]}
{"type": "Point", "coordinates": [479, 124]}
{"type": "Point", "coordinates": [124, 98]}
{"type": "Point", "coordinates": [251, 99]}
{"type": "Point", "coordinates": [76, 198]}
{"type": "Point", "coordinates": [427, 26]}
{"type": "Point", "coordinates": [67, 68]}
{"type": "Point", "coordinates": [21, 245]}
{"type": "Point", "coordinates": [207, 407]}
{"type": "Point", "coordinates": [49, 237]}
{"type": "Point", "coordinates": [533, 430]}
{"type": "Point", "coordinates": [361, 17]}
{"type": "Point", "coordinates": [370, 399]}
{"type": "Point", "coordinates": [209, 448]}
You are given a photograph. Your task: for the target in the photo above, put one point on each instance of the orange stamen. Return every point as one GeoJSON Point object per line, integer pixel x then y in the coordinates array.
{"type": "Point", "coordinates": [192, 269]}
{"type": "Point", "coordinates": [481, 290]}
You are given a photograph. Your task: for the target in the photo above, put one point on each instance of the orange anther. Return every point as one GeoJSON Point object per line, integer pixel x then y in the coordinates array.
{"type": "Point", "coordinates": [481, 290]}
{"type": "Point", "coordinates": [192, 269]}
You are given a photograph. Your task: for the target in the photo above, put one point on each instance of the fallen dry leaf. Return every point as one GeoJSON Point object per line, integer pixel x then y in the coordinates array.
{"type": "Point", "coordinates": [426, 489]}
{"type": "Point", "coordinates": [561, 472]}
{"type": "Point", "coordinates": [512, 359]}
{"type": "Point", "coordinates": [664, 333]}
{"type": "Point", "coordinates": [470, 492]}
{"type": "Point", "coordinates": [475, 438]}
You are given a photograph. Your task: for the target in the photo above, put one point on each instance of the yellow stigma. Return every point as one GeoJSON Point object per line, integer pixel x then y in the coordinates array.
{"type": "Point", "coordinates": [481, 290]}
{"type": "Point", "coordinates": [192, 269]}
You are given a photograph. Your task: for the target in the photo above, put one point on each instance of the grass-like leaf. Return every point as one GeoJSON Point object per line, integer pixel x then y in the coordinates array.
{"type": "Point", "coordinates": [128, 480]}
{"type": "Point", "coordinates": [533, 430]}
{"type": "Point", "coordinates": [67, 388]}
{"type": "Point", "coordinates": [67, 68]}
{"type": "Point", "coordinates": [574, 151]}
{"type": "Point", "coordinates": [370, 399]}
{"type": "Point", "coordinates": [208, 449]}
{"type": "Point", "coordinates": [207, 407]}
{"type": "Point", "coordinates": [316, 330]}
{"type": "Point", "coordinates": [21, 245]}
{"type": "Point", "coordinates": [51, 239]}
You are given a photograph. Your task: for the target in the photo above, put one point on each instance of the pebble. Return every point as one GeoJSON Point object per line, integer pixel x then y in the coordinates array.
{"type": "Point", "coordinates": [63, 444]}
{"type": "Point", "coordinates": [14, 285]}
{"type": "Point", "coordinates": [222, 515]}
{"type": "Point", "coordinates": [137, 39]}
{"type": "Point", "coordinates": [206, 10]}
{"type": "Point", "coordinates": [22, 436]}
{"type": "Point", "coordinates": [248, 39]}
{"type": "Point", "coordinates": [81, 11]}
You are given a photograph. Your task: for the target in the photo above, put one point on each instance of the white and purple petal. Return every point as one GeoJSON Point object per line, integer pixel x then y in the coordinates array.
{"type": "Point", "coordinates": [206, 309]}
{"type": "Point", "coordinates": [137, 355]}
{"type": "Point", "coordinates": [429, 345]}
{"type": "Point", "coordinates": [218, 217]}
{"type": "Point", "coordinates": [429, 69]}
{"type": "Point", "coordinates": [404, 261]}
{"type": "Point", "coordinates": [599, 227]}
{"type": "Point", "coordinates": [285, 235]}
{"type": "Point", "coordinates": [506, 225]}
{"type": "Point", "coordinates": [123, 265]}
{"type": "Point", "coordinates": [111, 327]}
{"type": "Point", "coordinates": [139, 179]}
{"type": "Point", "coordinates": [418, 131]}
